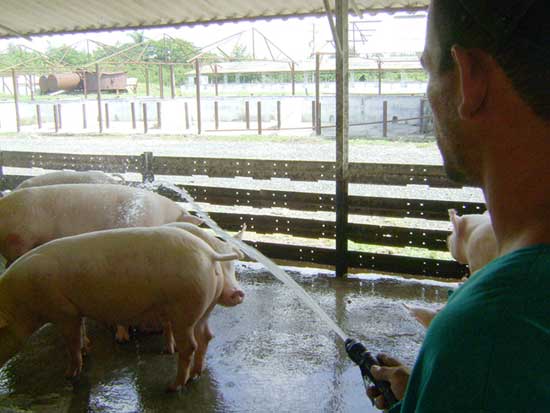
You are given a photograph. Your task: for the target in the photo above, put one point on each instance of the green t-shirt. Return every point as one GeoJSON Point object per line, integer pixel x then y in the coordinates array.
{"type": "Point", "coordinates": [488, 350]}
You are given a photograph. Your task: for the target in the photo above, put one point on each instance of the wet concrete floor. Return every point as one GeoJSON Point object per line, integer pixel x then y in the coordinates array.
{"type": "Point", "coordinates": [270, 354]}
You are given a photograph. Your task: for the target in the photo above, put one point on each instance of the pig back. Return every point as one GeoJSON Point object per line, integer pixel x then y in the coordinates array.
{"type": "Point", "coordinates": [119, 275]}
{"type": "Point", "coordinates": [54, 211]}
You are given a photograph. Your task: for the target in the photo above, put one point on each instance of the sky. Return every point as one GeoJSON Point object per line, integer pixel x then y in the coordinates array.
{"type": "Point", "coordinates": [399, 33]}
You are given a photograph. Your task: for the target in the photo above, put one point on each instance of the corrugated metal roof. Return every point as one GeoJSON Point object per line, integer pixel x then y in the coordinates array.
{"type": "Point", "coordinates": [38, 17]}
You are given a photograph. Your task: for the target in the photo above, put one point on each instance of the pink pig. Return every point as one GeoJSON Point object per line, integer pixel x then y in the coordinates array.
{"type": "Point", "coordinates": [71, 177]}
{"type": "Point", "coordinates": [174, 276]}
{"type": "Point", "coordinates": [32, 216]}
{"type": "Point", "coordinates": [473, 240]}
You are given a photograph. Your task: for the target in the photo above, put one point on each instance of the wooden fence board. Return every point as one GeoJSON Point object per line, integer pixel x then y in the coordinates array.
{"type": "Point", "coordinates": [322, 229]}
{"type": "Point", "coordinates": [360, 173]}
{"type": "Point", "coordinates": [369, 261]}
{"type": "Point", "coordinates": [360, 205]}
{"type": "Point", "coordinates": [77, 162]}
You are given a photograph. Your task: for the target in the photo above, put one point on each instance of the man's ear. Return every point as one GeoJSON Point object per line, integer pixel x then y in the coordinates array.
{"type": "Point", "coordinates": [473, 79]}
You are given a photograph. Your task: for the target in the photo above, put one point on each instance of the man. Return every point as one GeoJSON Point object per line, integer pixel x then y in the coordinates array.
{"type": "Point", "coordinates": [488, 350]}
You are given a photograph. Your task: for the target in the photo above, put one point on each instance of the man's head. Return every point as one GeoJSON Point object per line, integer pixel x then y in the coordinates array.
{"type": "Point", "coordinates": [477, 52]}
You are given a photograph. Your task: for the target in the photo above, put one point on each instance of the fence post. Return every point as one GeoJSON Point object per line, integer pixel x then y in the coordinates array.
{"type": "Point", "coordinates": [247, 114]}
{"type": "Point", "coordinates": [317, 125]}
{"type": "Point", "coordinates": [278, 114]}
{"type": "Point", "coordinates": [259, 118]}
{"type": "Point", "coordinates": [172, 82]}
{"type": "Point", "coordinates": [147, 172]}
{"type": "Point", "coordinates": [293, 78]}
{"type": "Point", "coordinates": [198, 95]}
{"type": "Point", "coordinates": [216, 119]}
{"type": "Point", "coordinates": [421, 123]}
{"type": "Point", "coordinates": [318, 120]}
{"type": "Point", "coordinates": [161, 81]}
{"type": "Point", "coordinates": [313, 115]}
{"type": "Point", "coordinates": [99, 116]}
{"type": "Point", "coordinates": [85, 84]}
{"type": "Point", "coordinates": [107, 123]}
{"type": "Point", "coordinates": [147, 88]}
{"type": "Point", "coordinates": [38, 116]}
{"type": "Point", "coordinates": [385, 119]}
{"type": "Point", "coordinates": [59, 115]}
{"type": "Point", "coordinates": [84, 119]}
{"type": "Point", "coordinates": [31, 82]}
{"type": "Point", "coordinates": [55, 120]}
{"type": "Point", "coordinates": [145, 118]}
{"type": "Point", "coordinates": [133, 110]}
{"type": "Point", "coordinates": [216, 79]}
{"type": "Point", "coordinates": [186, 115]}
{"type": "Point", "coordinates": [159, 116]}
{"type": "Point", "coordinates": [16, 100]}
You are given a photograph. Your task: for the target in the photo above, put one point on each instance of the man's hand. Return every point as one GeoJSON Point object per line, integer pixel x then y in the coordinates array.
{"type": "Point", "coordinates": [393, 371]}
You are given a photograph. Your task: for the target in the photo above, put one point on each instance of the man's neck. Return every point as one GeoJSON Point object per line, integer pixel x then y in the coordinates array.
{"type": "Point", "coordinates": [517, 190]}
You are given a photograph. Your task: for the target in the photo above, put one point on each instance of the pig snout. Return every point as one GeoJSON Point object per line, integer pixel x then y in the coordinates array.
{"type": "Point", "coordinates": [232, 297]}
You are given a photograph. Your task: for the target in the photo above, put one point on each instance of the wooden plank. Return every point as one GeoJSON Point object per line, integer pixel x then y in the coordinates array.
{"type": "Point", "coordinates": [400, 174]}
{"type": "Point", "coordinates": [360, 205]}
{"type": "Point", "coordinates": [77, 162]}
{"type": "Point", "coordinates": [393, 236]}
{"type": "Point", "coordinates": [368, 261]}
{"type": "Point", "coordinates": [364, 173]}
{"type": "Point", "coordinates": [411, 208]}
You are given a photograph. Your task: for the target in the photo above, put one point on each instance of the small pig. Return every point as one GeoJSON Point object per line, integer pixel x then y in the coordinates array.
{"type": "Point", "coordinates": [71, 177]}
{"type": "Point", "coordinates": [473, 240]}
{"type": "Point", "coordinates": [173, 275]}
{"type": "Point", "coordinates": [32, 216]}
{"type": "Point", "coordinates": [423, 315]}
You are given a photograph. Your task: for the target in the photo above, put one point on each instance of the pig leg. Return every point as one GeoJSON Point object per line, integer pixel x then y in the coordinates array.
{"type": "Point", "coordinates": [85, 340]}
{"type": "Point", "coordinates": [187, 345]}
{"type": "Point", "coordinates": [71, 329]}
{"type": "Point", "coordinates": [122, 334]}
{"type": "Point", "coordinates": [203, 335]}
{"type": "Point", "coordinates": [169, 341]}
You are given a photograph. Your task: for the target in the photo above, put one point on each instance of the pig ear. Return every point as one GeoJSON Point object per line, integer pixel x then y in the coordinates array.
{"type": "Point", "coordinates": [455, 219]}
{"type": "Point", "coordinates": [239, 235]}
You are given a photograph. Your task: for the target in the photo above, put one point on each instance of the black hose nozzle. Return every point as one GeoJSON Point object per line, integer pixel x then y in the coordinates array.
{"type": "Point", "coordinates": [358, 353]}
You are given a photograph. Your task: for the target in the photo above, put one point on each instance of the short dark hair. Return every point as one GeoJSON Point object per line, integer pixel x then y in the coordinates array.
{"type": "Point", "coordinates": [516, 33]}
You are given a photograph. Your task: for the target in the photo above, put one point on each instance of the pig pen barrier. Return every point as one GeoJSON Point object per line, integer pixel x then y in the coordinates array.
{"type": "Point", "coordinates": [292, 216]}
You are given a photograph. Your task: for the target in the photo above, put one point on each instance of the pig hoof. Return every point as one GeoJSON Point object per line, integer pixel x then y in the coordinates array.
{"type": "Point", "coordinates": [172, 388]}
{"type": "Point", "coordinates": [72, 373]}
{"type": "Point", "coordinates": [169, 350]}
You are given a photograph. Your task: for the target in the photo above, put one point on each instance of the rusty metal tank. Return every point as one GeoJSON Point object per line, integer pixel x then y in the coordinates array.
{"type": "Point", "coordinates": [110, 81]}
{"type": "Point", "coordinates": [43, 83]}
{"type": "Point", "coordinates": [63, 81]}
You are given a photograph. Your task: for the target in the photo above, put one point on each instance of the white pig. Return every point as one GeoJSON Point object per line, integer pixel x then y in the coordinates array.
{"type": "Point", "coordinates": [173, 275]}
{"type": "Point", "coordinates": [473, 240]}
{"type": "Point", "coordinates": [71, 177]}
{"type": "Point", "coordinates": [32, 216]}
